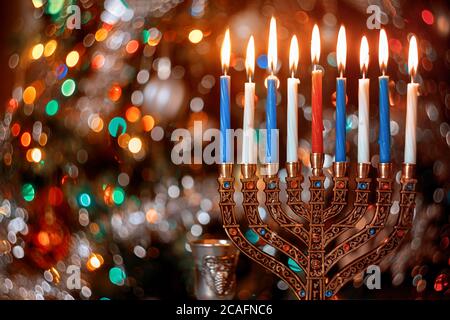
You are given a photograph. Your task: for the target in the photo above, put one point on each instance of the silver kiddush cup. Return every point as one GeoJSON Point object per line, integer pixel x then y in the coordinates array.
{"type": "Point", "coordinates": [215, 269]}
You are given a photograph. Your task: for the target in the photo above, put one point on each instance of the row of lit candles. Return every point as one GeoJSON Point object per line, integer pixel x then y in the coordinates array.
{"type": "Point", "coordinates": [249, 154]}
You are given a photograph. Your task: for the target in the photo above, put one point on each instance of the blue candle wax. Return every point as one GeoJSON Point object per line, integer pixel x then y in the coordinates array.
{"type": "Point", "coordinates": [384, 138]}
{"type": "Point", "coordinates": [340, 120]}
{"type": "Point", "coordinates": [225, 143]}
{"type": "Point", "coordinates": [271, 120]}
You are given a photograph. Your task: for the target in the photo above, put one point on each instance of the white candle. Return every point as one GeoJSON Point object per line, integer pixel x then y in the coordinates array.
{"type": "Point", "coordinates": [363, 105]}
{"type": "Point", "coordinates": [292, 105]}
{"type": "Point", "coordinates": [411, 105]}
{"type": "Point", "coordinates": [248, 144]}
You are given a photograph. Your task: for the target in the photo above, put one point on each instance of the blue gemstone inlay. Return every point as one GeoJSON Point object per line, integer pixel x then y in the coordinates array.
{"type": "Point", "coordinates": [317, 184]}
{"type": "Point", "coordinates": [362, 185]}
{"type": "Point", "coordinates": [372, 231]}
{"type": "Point", "coordinates": [302, 293]}
{"type": "Point", "coordinates": [262, 232]}
{"type": "Point", "coordinates": [272, 185]}
{"type": "Point", "coordinates": [328, 293]}
{"type": "Point", "coordinates": [409, 187]}
{"type": "Point", "coordinates": [226, 185]}
{"type": "Point", "coordinates": [294, 266]}
{"type": "Point", "coordinates": [252, 236]}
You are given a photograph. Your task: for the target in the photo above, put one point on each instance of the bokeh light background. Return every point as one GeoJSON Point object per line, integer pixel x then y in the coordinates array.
{"type": "Point", "coordinates": [86, 177]}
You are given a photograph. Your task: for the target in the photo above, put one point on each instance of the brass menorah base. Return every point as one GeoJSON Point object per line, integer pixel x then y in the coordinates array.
{"type": "Point", "coordinates": [319, 251]}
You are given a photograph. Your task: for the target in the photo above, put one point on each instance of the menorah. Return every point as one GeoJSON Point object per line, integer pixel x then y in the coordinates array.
{"type": "Point", "coordinates": [317, 227]}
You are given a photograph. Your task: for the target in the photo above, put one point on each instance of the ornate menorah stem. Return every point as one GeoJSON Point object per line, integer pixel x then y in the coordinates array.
{"type": "Point", "coordinates": [317, 229]}
{"type": "Point", "coordinates": [294, 190]}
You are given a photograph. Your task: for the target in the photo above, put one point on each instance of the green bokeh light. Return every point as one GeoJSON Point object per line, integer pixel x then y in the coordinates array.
{"type": "Point", "coordinates": [84, 199]}
{"type": "Point", "coordinates": [115, 124]}
{"type": "Point", "coordinates": [52, 107]}
{"type": "Point", "coordinates": [28, 192]}
{"type": "Point", "coordinates": [68, 87]}
{"type": "Point", "coordinates": [55, 6]}
{"type": "Point", "coordinates": [117, 276]}
{"type": "Point", "coordinates": [145, 36]}
{"type": "Point", "coordinates": [118, 196]}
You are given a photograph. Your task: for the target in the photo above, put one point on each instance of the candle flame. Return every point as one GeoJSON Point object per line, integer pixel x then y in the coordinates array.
{"type": "Point", "coordinates": [293, 55]}
{"type": "Point", "coordinates": [226, 51]}
{"type": "Point", "coordinates": [250, 58]}
{"type": "Point", "coordinates": [413, 59]}
{"type": "Point", "coordinates": [272, 55]}
{"type": "Point", "coordinates": [315, 45]}
{"type": "Point", "coordinates": [364, 55]}
{"type": "Point", "coordinates": [341, 50]}
{"type": "Point", "coordinates": [383, 50]}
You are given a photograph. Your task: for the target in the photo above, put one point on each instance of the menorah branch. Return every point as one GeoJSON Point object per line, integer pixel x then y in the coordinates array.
{"type": "Point", "coordinates": [370, 230]}
{"type": "Point", "coordinates": [273, 205]}
{"type": "Point", "coordinates": [391, 242]}
{"type": "Point", "coordinates": [313, 280]}
{"type": "Point", "coordinates": [250, 203]}
{"type": "Point", "coordinates": [340, 191]}
{"type": "Point", "coordinates": [232, 228]}
{"type": "Point", "coordinates": [361, 203]}
{"type": "Point", "coordinates": [294, 190]}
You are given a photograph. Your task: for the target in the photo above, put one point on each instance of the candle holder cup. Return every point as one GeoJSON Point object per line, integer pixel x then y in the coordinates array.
{"type": "Point", "coordinates": [215, 269]}
{"type": "Point", "coordinates": [326, 251]}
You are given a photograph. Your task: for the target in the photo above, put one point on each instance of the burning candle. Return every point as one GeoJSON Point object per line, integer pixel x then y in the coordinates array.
{"type": "Point", "coordinates": [411, 104]}
{"type": "Point", "coordinates": [363, 104]}
{"type": "Point", "coordinates": [248, 143]}
{"type": "Point", "coordinates": [341, 57]}
{"type": "Point", "coordinates": [271, 104]}
{"type": "Point", "coordinates": [225, 136]}
{"type": "Point", "coordinates": [316, 94]}
{"type": "Point", "coordinates": [292, 104]}
{"type": "Point", "coordinates": [384, 138]}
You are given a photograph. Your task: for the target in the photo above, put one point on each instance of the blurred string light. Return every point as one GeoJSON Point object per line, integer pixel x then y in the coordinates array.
{"type": "Point", "coordinates": [195, 36]}
{"type": "Point", "coordinates": [133, 114]}
{"type": "Point", "coordinates": [135, 145]}
{"type": "Point", "coordinates": [55, 6]}
{"type": "Point", "coordinates": [36, 155]}
{"type": "Point", "coordinates": [117, 126]}
{"type": "Point", "coordinates": [72, 59]}
{"type": "Point", "coordinates": [68, 87]}
{"type": "Point", "coordinates": [198, 8]}
{"type": "Point", "coordinates": [117, 276]}
{"type": "Point", "coordinates": [84, 199]}
{"type": "Point", "coordinates": [50, 48]}
{"type": "Point", "coordinates": [28, 192]}
{"type": "Point", "coordinates": [29, 95]}
{"type": "Point", "coordinates": [52, 107]}
{"type": "Point", "coordinates": [38, 3]}
{"type": "Point", "coordinates": [116, 10]}
{"type": "Point", "coordinates": [37, 51]}
{"type": "Point", "coordinates": [94, 262]}
{"type": "Point", "coordinates": [61, 71]}
{"type": "Point", "coordinates": [118, 196]}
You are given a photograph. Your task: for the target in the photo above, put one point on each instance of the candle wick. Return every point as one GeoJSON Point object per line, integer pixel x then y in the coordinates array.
{"type": "Point", "coordinates": [364, 75]}
{"type": "Point", "coordinates": [342, 74]}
